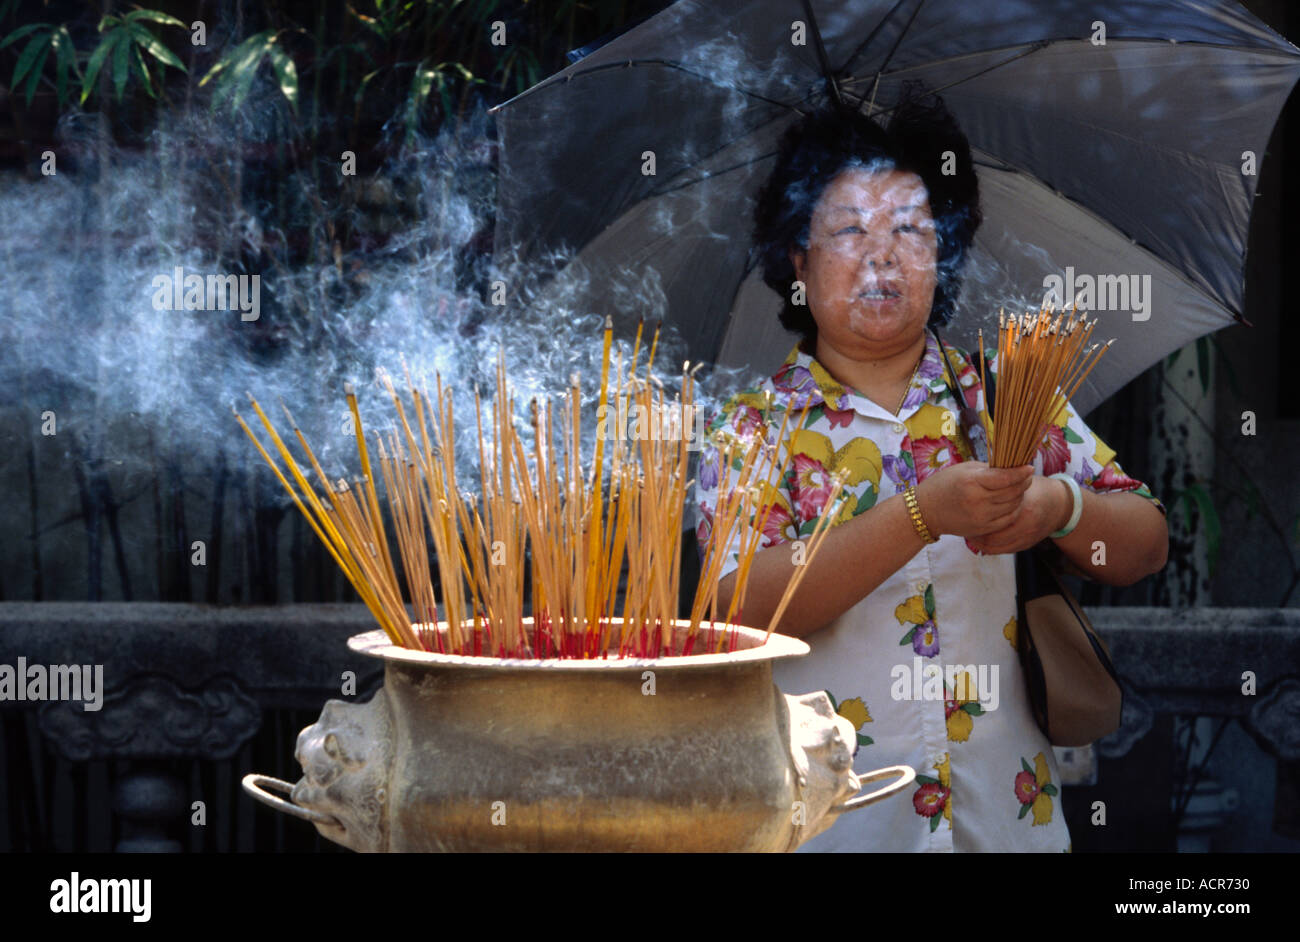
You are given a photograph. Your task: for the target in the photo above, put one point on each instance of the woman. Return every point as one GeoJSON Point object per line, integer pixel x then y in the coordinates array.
{"type": "Point", "coordinates": [910, 610]}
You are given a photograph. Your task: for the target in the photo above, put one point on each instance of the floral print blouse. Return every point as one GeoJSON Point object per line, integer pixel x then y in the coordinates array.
{"type": "Point", "coordinates": [925, 666]}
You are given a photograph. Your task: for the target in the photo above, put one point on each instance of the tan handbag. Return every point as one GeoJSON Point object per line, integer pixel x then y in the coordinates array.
{"type": "Point", "coordinates": [1073, 687]}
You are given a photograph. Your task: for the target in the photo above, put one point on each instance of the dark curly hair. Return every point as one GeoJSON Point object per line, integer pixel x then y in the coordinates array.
{"type": "Point", "coordinates": [812, 154]}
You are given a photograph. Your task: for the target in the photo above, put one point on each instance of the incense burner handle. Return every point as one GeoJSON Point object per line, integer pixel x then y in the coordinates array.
{"type": "Point", "coordinates": [906, 776]}
{"type": "Point", "coordinates": [256, 786]}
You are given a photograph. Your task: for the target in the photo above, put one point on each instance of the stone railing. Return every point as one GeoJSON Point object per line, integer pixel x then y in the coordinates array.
{"type": "Point", "coordinates": [192, 681]}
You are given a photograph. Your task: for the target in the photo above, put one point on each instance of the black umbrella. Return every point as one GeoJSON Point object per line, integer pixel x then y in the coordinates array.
{"type": "Point", "coordinates": [1117, 146]}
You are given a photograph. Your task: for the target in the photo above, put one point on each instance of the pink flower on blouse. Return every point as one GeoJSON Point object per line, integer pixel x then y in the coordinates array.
{"type": "Point", "coordinates": [931, 454]}
{"type": "Point", "coordinates": [704, 529]}
{"type": "Point", "coordinates": [812, 486]}
{"type": "Point", "coordinates": [1112, 480]}
{"type": "Point", "coordinates": [779, 526]}
{"type": "Point", "coordinates": [929, 799]}
{"type": "Point", "coordinates": [839, 418]}
{"type": "Point", "coordinates": [1026, 787]}
{"type": "Point", "coordinates": [746, 420]}
{"type": "Point", "coordinates": [1055, 452]}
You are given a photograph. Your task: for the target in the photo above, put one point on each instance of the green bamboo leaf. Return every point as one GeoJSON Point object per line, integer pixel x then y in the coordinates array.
{"type": "Point", "coordinates": [154, 46]}
{"type": "Point", "coordinates": [35, 75]}
{"type": "Point", "coordinates": [369, 22]}
{"type": "Point", "coordinates": [240, 68]}
{"type": "Point", "coordinates": [65, 63]}
{"type": "Point", "coordinates": [27, 59]}
{"type": "Point", "coordinates": [22, 31]}
{"type": "Point", "coordinates": [241, 83]}
{"type": "Point", "coordinates": [361, 89]}
{"type": "Point", "coordinates": [154, 16]}
{"type": "Point", "coordinates": [507, 65]}
{"type": "Point", "coordinates": [253, 47]}
{"type": "Point", "coordinates": [286, 73]}
{"type": "Point", "coordinates": [421, 83]}
{"type": "Point", "coordinates": [121, 65]}
{"type": "Point", "coordinates": [143, 70]}
{"type": "Point", "coordinates": [1210, 516]}
{"type": "Point", "coordinates": [96, 63]}
{"type": "Point", "coordinates": [533, 70]}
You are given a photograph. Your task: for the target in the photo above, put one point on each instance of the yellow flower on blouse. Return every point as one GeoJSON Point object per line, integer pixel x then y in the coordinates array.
{"type": "Point", "coordinates": [859, 458]}
{"type": "Point", "coordinates": [1042, 809]}
{"type": "Point", "coordinates": [959, 718]}
{"type": "Point", "coordinates": [855, 711]}
{"type": "Point", "coordinates": [1009, 632]}
{"type": "Point", "coordinates": [945, 780]}
{"type": "Point", "coordinates": [930, 421]}
{"type": "Point", "coordinates": [912, 612]}
{"type": "Point", "coordinates": [1034, 789]}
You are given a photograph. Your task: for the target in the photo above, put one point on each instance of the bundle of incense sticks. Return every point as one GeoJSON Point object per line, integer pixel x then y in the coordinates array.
{"type": "Point", "coordinates": [539, 516]}
{"type": "Point", "coordinates": [1041, 363]}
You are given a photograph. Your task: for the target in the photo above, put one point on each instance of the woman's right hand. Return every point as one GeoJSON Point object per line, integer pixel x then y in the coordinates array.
{"type": "Point", "coordinates": [971, 499]}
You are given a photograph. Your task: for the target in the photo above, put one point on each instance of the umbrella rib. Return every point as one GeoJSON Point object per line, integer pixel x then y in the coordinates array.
{"type": "Point", "coordinates": [821, 53]}
{"type": "Point", "coordinates": [892, 49]}
{"type": "Point", "coordinates": [629, 63]}
{"type": "Point", "coordinates": [720, 171]}
{"type": "Point", "coordinates": [1043, 43]}
{"type": "Point", "coordinates": [872, 35]}
{"type": "Point", "coordinates": [717, 173]}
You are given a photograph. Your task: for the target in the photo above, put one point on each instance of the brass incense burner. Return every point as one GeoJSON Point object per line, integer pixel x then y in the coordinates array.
{"type": "Point", "coordinates": [693, 753]}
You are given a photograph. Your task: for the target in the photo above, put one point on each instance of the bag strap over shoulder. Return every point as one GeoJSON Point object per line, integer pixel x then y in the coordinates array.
{"type": "Point", "coordinates": [969, 417]}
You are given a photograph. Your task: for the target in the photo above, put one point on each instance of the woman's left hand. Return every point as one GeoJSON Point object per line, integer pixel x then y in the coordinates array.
{"type": "Point", "coordinates": [1045, 508]}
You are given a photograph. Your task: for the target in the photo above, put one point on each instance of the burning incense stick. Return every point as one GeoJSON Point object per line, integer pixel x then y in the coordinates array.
{"type": "Point", "coordinates": [539, 530]}
{"type": "Point", "coordinates": [1041, 364]}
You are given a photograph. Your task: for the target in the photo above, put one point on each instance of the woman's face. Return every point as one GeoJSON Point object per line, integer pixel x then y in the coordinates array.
{"type": "Point", "coordinates": [871, 265]}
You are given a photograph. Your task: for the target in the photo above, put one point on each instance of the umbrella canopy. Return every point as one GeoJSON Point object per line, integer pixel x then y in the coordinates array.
{"type": "Point", "coordinates": [1113, 146]}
